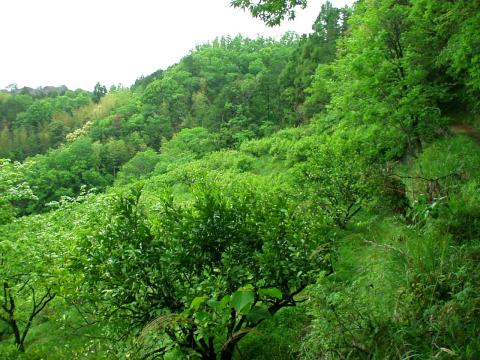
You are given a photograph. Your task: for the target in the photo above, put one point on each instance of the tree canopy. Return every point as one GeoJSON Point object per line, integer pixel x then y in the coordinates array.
{"type": "Point", "coordinates": [271, 11]}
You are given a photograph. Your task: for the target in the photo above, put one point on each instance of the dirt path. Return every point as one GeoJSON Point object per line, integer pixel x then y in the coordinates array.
{"type": "Point", "coordinates": [467, 130]}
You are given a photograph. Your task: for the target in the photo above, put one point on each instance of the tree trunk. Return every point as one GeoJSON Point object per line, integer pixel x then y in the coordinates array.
{"type": "Point", "coordinates": [227, 352]}
{"type": "Point", "coordinates": [18, 337]}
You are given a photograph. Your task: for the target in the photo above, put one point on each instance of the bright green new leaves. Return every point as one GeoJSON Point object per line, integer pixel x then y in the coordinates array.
{"type": "Point", "coordinates": [13, 187]}
{"type": "Point", "coordinates": [34, 254]}
{"type": "Point", "coordinates": [198, 301]}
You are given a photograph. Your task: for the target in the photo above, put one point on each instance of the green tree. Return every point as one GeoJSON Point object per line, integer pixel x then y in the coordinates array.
{"type": "Point", "coordinates": [27, 284]}
{"type": "Point", "coordinates": [64, 171]}
{"type": "Point", "coordinates": [379, 77]}
{"type": "Point", "coordinates": [31, 262]}
{"type": "Point", "coordinates": [340, 180]}
{"type": "Point", "coordinates": [34, 252]}
{"type": "Point", "coordinates": [451, 49]}
{"type": "Point", "coordinates": [5, 142]}
{"type": "Point", "coordinates": [140, 166]}
{"type": "Point", "coordinates": [207, 249]}
{"type": "Point", "coordinates": [272, 12]}
{"type": "Point", "coordinates": [13, 188]}
{"type": "Point", "coordinates": [114, 154]}
{"type": "Point", "coordinates": [99, 91]}
{"type": "Point", "coordinates": [312, 53]}
{"type": "Point", "coordinates": [39, 113]}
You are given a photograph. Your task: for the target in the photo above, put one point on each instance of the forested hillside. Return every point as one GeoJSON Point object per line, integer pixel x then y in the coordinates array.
{"type": "Point", "coordinates": [313, 197]}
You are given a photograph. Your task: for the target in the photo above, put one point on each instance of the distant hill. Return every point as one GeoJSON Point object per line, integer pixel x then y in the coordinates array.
{"type": "Point", "coordinates": [40, 91]}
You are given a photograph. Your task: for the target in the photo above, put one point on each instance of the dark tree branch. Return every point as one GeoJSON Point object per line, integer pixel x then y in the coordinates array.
{"type": "Point", "coordinates": [36, 309]}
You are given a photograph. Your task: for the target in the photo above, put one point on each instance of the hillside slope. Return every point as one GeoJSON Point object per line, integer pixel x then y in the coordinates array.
{"type": "Point", "coordinates": [299, 199]}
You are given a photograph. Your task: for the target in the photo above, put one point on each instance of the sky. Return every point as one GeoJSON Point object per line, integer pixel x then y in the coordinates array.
{"type": "Point", "coordinates": [78, 43]}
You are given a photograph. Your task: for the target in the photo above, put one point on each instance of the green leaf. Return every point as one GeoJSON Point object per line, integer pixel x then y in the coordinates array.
{"type": "Point", "coordinates": [214, 304]}
{"type": "Point", "coordinates": [224, 302]}
{"type": "Point", "coordinates": [271, 293]}
{"type": "Point", "coordinates": [197, 302]}
{"type": "Point", "coordinates": [241, 301]}
{"type": "Point", "coordinates": [202, 317]}
{"type": "Point", "coordinates": [258, 314]}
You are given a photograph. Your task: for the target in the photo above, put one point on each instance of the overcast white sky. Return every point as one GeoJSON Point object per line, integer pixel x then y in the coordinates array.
{"type": "Point", "coordinates": [79, 42]}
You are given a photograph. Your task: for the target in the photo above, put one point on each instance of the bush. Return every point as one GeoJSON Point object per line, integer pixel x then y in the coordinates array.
{"type": "Point", "coordinates": [443, 166]}
{"type": "Point", "coordinates": [461, 215]}
{"type": "Point", "coordinates": [279, 338]}
{"type": "Point", "coordinates": [340, 181]}
{"type": "Point", "coordinates": [140, 166]}
{"type": "Point", "coordinates": [245, 242]}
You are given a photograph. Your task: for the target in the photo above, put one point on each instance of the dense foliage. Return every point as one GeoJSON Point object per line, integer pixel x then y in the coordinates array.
{"type": "Point", "coordinates": [33, 123]}
{"type": "Point", "coordinates": [315, 197]}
